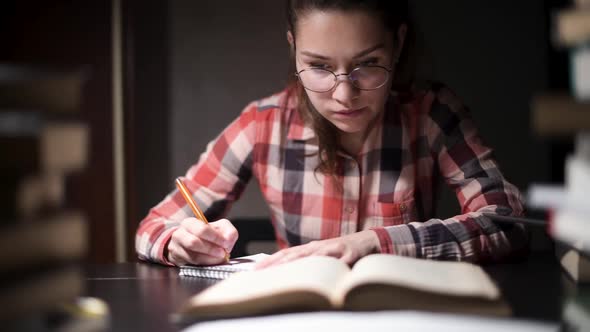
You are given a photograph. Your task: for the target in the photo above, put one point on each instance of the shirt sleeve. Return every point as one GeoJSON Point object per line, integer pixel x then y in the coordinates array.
{"type": "Point", "coordinates": [469, 169]}
{"type": "Point", "coordinates": [216, 181]}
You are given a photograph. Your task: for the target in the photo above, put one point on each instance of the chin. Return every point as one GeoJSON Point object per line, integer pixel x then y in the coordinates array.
{"type": "Point", "coordinates": [347, 129]}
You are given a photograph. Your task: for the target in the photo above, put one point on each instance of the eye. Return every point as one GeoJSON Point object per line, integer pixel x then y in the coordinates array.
{"type": "Point", "coordinates": [318, 65]}
{"type": "Point", "coordinates": [369, 62]}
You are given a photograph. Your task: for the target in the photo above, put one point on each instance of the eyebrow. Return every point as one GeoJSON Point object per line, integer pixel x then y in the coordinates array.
{"type": "Point", "coordinates": [360, 54]}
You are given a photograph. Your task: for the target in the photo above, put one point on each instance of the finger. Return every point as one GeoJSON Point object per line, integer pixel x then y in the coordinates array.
{"type": "Point", "coordinates": [293, 255]}
{"type": "Point", "coordinates": [227, 231]}
{"type": "Point", "coordinates": [283, 256]}
{"type": "Point", "coordinates": [195, 244]}
{"type": "Point", "coordinates": [270, 260]}
{"type": "Point", "coordinates": [182, 256]}
{"type": "Point", "coordinates": [348, 258]}
{"type": "Point", "coordinates": [203, 231]}
{"type": "Point", "coordinates": [333, 249]}
{"type": "Point", "coordinates": [198, 258]}
{"type": "Point", "coordinates": [175, 254]}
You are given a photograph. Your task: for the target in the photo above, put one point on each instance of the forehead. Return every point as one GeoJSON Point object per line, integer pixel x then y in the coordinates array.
{"type": "Point", "coordinates": [337, 32]}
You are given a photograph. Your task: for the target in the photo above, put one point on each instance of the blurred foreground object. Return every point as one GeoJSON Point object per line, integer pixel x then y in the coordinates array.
{"type": "Point", "coordinates": [43, 235]}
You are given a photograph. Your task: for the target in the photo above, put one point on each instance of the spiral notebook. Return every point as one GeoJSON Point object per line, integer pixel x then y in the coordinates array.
{"type": "Point", "coordinates": [222, 271]}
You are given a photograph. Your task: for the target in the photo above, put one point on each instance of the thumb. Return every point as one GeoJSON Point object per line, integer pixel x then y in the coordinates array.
{"type": "Point", "coordinates": [227, 231]}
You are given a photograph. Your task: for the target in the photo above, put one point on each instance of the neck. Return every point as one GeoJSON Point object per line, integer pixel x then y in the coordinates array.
{"type": "Point", "coordinates": [352, 143]}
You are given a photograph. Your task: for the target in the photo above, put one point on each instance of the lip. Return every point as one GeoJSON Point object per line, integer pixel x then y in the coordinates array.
{"type": "Point", "coordinates": [349, 113]}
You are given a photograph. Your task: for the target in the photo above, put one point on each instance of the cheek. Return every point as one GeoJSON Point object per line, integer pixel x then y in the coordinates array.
{"type": "Point", "coordinates": [318, 100]}
{"type": "Point", "coordinates": [377, 98]}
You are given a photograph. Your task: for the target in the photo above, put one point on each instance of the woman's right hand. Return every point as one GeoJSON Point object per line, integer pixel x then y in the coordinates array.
{"type": "Point", "coordinates": [198, 243]}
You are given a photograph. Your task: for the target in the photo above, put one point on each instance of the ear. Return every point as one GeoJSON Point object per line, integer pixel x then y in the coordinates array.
{"type": "Point", "coordinates": [291, 40]}
{"type": "Point", "coordinates": [401, 38]}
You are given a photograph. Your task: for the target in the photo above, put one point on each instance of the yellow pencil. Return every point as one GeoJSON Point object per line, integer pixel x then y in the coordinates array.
{"type": "Point", "coordinates": [193, 205]}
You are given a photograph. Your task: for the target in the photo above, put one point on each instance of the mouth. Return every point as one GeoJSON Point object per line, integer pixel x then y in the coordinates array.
{"type": "Point", "coordinates": [349, 113]}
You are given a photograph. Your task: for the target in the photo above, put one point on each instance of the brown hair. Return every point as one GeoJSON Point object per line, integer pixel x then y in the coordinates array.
{"type": "Point", "coordinates": [393, 13]}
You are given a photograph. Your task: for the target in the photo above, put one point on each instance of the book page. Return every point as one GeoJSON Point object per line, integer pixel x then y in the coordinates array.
{"type": "Point", "coordinates": [312, 274]}
{"type": "Point", "coordinates": [440, 277]}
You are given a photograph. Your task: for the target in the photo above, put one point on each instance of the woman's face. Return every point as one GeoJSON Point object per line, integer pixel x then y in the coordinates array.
{"type": "Point", "coordinates": [341, 41]}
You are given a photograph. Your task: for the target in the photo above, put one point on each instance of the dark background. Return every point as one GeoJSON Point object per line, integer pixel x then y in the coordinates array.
{"type": "Point", "coordinates": [191, 66]}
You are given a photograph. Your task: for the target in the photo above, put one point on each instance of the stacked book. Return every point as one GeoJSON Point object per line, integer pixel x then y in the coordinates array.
{"type": "Point", "coordinates": [576, 310]}
{"type": "Point", "coordinates": [43, 143]}
{"type": "Point", "coordinates": [569, 213]}
{"type": "Point", "coordinates": [573, 31]}
{"type": "Point", "coordinates": [567, 114]}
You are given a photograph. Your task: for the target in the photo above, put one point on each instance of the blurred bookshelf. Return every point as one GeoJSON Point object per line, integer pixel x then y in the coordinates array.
{"type": "Point", "coordinates": [51, 47]}
{"type": "Point", "coordinates": [44, 235]}
{"type": "Point", "coordinates": [559, 115]}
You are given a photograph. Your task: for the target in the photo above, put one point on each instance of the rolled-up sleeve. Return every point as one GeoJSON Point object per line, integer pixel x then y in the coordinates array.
{"type": "Point", "coordinates": [470, 170]}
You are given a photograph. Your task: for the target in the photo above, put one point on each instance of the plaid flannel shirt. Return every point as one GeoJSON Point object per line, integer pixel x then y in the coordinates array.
{"type": "Point", "coordinates": [390, 188]}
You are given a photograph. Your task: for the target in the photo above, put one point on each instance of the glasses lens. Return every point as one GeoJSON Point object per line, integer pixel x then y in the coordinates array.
{"type": "Point", "coordinates": [368, 78]}
{"type": "Point", "coordinates": [317, 79]}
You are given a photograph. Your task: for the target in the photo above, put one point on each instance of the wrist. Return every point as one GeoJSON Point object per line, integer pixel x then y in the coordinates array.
{"type": "Point", "coordinates": [369, 242]}
{"type": "Point", "coordinates": [375, 243]}
{"type": "Point", "coordinates": [166, 252]}
{"type": "Point", "coordinates": [385, 244]}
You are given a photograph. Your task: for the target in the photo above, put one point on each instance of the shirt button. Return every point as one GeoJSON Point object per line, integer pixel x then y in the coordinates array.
{"type": "Point", "coordinates": [402, 207]}
{"type": "Point", "coordinates": [350, 209]}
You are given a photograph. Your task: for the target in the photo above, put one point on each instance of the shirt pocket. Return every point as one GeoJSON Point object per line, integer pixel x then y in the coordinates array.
{"type": "Point", "coordinates": [390, 214]}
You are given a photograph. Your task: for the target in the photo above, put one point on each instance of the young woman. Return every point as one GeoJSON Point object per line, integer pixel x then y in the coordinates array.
{"type": "Point", "coordinates": [347, 156]}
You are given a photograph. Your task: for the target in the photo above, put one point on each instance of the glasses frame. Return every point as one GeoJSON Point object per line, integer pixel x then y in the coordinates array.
{"type": "Point", "coordinates": [348, 75]}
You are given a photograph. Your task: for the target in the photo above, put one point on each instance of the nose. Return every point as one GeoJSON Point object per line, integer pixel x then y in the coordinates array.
{"type": "Point", "coordinates": [346, 92]}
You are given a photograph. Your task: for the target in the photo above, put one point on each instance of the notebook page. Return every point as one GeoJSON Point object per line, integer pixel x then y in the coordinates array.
{"type": "Point", "coordinates": [238, 264]}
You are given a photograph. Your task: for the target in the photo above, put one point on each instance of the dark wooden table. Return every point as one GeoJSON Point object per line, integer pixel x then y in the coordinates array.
{"type": "Point", "coordinates": [142, 296]}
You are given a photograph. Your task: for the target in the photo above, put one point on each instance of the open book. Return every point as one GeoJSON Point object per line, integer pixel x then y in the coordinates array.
{"type": "Point", "coordinates": [222, 271]}
{"type": "Point", "coordinates": [376, 282]}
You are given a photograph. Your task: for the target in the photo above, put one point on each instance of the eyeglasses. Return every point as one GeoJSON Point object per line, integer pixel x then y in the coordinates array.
{"type": "Point", "coordinates": [324, 80]}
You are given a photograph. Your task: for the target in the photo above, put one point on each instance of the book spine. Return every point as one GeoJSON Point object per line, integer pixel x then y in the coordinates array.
{"type": "Point", "coordinates": [572, 26]}
{"type": "Point", "coordinates": [580, 71]}
{"type": "Point", "coordinates": [570, 224]}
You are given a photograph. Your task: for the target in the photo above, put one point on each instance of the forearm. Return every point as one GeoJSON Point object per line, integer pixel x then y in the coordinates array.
{"type": "Point", "coordinates": [468, 237]}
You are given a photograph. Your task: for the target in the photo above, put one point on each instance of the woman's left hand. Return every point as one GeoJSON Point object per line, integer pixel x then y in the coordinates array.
{"type": "Point", "coordinates": [348, 248]}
